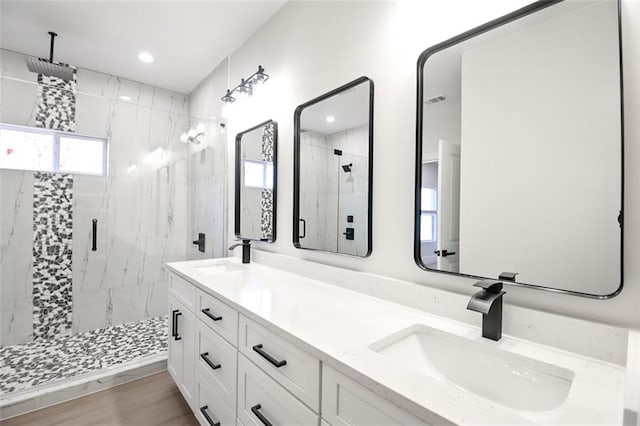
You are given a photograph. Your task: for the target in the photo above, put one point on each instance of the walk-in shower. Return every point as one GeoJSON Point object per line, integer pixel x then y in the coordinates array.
{"type": "Point", "coordinates": [80, 313]}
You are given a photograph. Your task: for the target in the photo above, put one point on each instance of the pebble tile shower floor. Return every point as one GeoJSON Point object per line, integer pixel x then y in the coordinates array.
{"type": "Point", "coordinates": [52, 360]}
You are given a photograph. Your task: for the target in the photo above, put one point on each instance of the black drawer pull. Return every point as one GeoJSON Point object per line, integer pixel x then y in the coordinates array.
{"type": "Point", "coordinates": [205, 357]}
{"type": "Point", "coordinates": [210, 315]}
{"type": "Point", "coordinates": [256, 410]}
{"type": "Point", "coordinates": [203, 410]}
{"type": "Point", "coordinates": [272, 360]}
{"type": "Point", "coordinates": [174, 325]}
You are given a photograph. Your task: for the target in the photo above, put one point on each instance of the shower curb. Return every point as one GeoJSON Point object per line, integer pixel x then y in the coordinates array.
{"type": "Point", "coordinates": [55, 393]}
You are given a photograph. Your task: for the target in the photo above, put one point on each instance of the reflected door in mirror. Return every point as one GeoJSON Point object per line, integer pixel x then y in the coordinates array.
{"type": "Point", "coordinates": [520, 133]}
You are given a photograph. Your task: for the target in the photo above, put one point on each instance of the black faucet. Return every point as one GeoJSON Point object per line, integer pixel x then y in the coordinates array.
{"type": "Point", "coordinates": [488, 301]}
{"type": "Point", "coordinates": [246, 250]}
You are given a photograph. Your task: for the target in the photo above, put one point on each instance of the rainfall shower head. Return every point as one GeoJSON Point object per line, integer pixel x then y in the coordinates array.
{"type": "Point", "coordinates": [347, 167]}
{"type": "Point", "coordinates": [48, 68]}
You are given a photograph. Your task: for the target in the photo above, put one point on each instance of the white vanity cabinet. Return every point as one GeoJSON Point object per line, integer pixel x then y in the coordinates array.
{"type": "Point", "coordinates": [348, 403]}
{"type": "Point", "coordinates": [234, 370]}
{"type": "Point", "coordinates": [181, 348]}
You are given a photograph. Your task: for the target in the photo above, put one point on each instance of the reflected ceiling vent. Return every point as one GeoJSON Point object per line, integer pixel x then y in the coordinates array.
{"type": "Point", "coordinates": [435, 99]}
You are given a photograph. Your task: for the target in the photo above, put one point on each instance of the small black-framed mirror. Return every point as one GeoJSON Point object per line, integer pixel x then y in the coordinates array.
{"type": "Point", "coordinates": [256, 182]}
{"type": "Point", "coordinates": [519, 153]}
{"type": "Point", "coordinates": [333, 171]}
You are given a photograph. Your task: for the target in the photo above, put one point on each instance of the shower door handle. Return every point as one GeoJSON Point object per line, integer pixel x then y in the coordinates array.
{"type": "Point", "coordinates": [94, 234]}
{"type": "Point", "coordinates": [304, 229]}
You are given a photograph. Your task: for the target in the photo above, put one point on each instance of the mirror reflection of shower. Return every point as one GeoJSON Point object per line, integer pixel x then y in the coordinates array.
{"type": "Point", "coordinates": [334, 173]}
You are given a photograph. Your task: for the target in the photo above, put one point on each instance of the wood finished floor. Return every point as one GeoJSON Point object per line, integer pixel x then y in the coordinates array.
{"type": "Point", "coordinates": [153, 400]}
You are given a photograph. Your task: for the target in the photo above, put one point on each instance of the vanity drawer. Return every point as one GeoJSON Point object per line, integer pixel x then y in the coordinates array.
{"type": "Point", "coordinates": [347, 403]}
{"type": "Point", "coordinates": [217, 361]}
{"type": "Point", "coordinates": [301, 373]}
{"type": "Point", "coordinates": [184, 291]}
{"type": "Point", "coordinates": [218, 316]}
{"type": "Point", "coordinates": [211, 403]}
{"type": "Point", "coordinates": [260, 395]}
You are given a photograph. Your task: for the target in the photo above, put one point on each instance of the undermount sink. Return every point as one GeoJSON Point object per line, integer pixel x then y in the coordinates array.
{"type": "Point", "coordinates": [218, 268]}
{"type": "Point", "coordinates": [504, 377]}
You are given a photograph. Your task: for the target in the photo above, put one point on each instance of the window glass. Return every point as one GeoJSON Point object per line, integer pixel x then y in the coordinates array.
{"type": "Point", "coordinates": [81, 155]}
{"type": "Point", "coordinates": [428, 218]}
{"type": "Point", "coordinates": [26, 150]}
{"type": "Point", "coordinates": [428, 227]}
{"type": "Point", "coordinates": [429, 199]}
{"type": "Point", "coordinates": [258, 174]}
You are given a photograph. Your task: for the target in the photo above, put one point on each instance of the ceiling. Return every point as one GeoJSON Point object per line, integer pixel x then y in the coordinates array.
{"type": "Point", "coordinates": [188, 39]}
{"type": "Point", "coordinates": [350, 109]}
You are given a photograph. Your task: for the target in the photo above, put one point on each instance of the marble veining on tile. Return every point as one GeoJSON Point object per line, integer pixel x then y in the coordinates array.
{"type": "Point", "coordinates": [46, 361]}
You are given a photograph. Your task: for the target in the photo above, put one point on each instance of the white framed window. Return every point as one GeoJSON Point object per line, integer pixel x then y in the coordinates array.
{"type": "Point", "coordinates": [258, 174]}
{"type": "Point", "coordinates": [37, 149]}
{"type": "Point", "coordinates": [428, 215]}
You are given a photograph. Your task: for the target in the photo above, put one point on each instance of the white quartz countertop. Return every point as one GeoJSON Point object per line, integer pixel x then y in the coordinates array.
{"type": "Point", "coordinates": [339, 325]}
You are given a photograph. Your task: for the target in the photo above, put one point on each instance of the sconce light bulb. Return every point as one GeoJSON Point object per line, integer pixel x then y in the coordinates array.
{"type": "Point", "coordinates": [192, 133]}
{"type": "Point", "coordinates": [200, 128]}
{"type": "Point", "coordinates": [184, 138]}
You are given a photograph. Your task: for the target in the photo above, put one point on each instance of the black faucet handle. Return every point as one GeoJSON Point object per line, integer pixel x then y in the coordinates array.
{"type": "Point", "coordinates": [507, 276]}
{"type": "Point", "coordinates": [491, 286]}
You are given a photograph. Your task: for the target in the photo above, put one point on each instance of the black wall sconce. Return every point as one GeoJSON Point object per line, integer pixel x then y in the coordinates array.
{"type": "Point", "coordinates": [246, 86]}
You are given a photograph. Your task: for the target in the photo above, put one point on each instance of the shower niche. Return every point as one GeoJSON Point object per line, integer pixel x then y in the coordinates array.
{"type": "Point", "coordinates": [332, 171]}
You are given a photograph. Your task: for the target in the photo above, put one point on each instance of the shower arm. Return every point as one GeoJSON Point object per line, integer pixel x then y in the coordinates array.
{"type": "Point", "coordinates": [53, 37]}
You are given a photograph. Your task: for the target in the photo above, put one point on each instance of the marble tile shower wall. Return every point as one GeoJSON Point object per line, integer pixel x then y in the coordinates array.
{"type": "Point", "coordinates": [209, 165]}
{"type": "Point", "coordinates": [342, 194]}
{"type": "Point", "coordinates": [141, 206]}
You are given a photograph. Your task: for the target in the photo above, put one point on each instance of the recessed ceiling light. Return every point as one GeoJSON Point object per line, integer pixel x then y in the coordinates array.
{"type": "Point", "coordinates": [125, 98]}
{"type": "Point", "coordinates": [330, 119]}
{"type": "Point", "coordinates": [145, 57]}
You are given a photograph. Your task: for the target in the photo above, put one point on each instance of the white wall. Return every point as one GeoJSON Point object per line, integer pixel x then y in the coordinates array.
{"type": "Point", "coordinates": [309, 48]}
{"type": "Point", "coordinates": [540, 191]}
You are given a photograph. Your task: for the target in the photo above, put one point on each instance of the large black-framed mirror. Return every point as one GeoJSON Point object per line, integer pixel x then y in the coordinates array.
{"type": "Point", "coordinates": [256, 182]}
{"type": "Point", "coordinates": [333, 171]}
{"type": "Point", "coordinates": [520, 150]}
